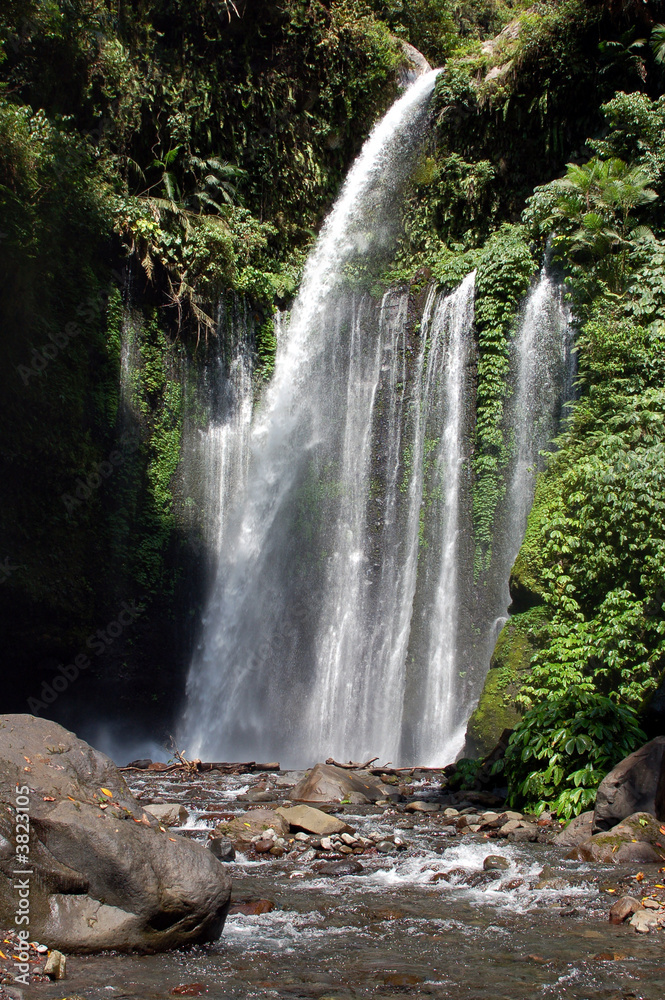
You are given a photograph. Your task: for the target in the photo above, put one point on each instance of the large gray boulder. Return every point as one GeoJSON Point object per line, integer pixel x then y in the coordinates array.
{"type": "Point", "coordinates": [327, 783]}
{"type": "Point", "coordinates": [102, 873]}
{"type": "Point", "coordinates": [633, 786]}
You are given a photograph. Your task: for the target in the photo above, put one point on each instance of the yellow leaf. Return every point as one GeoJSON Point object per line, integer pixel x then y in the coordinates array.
{"type": "Point", "coordinates": [106, 792]}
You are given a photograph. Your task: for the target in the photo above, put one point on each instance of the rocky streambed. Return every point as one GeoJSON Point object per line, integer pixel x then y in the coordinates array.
{"type": "Point", "coordinates": [416, 893]}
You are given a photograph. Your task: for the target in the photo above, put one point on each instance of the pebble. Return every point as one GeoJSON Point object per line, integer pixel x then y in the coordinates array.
{"type": "Point", "coordinates": [643, 921]}
{"type": "Point", "coordinates": [326, 844]}
{"type": "Point", "coordinates": [348, 839]}
{"type": "Point", "coordinates": [302, 837]}
{"type": "Point", "coordinates": [56, 966]}
{"type": "Point", "coordinates": [386, 847]}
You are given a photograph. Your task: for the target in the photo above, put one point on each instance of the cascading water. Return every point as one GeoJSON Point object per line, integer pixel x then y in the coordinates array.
{"type": "Point", "coordinates": [542, 372]}
{"type": "Point", "coordinates": [265, 626]}
{"type": "Point", "coordinates": [345, 619]}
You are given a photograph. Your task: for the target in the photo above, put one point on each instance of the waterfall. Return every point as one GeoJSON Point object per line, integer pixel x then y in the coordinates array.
{"type": "Point", "coordinates": [542, 365]}
{"type": "Point", "coordinates": [264, 643]}
{"type": "Point", "coordinates": [345, 619]}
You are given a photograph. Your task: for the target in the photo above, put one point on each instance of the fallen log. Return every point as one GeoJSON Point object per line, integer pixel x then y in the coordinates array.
{"type": "Point", "coordinates": [248, 767]}
{"type": "Point", "coordinates": [351, 766]}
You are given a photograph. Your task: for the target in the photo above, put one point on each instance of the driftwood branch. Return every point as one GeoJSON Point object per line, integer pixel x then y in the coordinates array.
{"type": "Point", "coordinates": [351, 766]}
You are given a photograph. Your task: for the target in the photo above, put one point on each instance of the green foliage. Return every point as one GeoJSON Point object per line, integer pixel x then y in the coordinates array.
{"type": "Point", "coordinates": [591, 215]}
{"type": "Point", "coordinates": [505, 268]}
{"type": "Point", "coordinates": [562, 749]}
{"type": "Point", "coordinates": [465, 774]}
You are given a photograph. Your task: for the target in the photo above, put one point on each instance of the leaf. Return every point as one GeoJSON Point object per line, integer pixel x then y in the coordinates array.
{"type": "Point", "coordinates": [106, 792]}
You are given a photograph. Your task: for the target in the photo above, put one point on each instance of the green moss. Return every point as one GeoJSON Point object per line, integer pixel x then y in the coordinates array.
{"type": "Point", "coordinates": [497, 709]}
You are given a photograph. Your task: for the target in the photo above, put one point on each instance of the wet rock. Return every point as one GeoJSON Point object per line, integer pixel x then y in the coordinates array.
{"type": "Point", "coordinates": [636, 839]}
{"type": "Point", "coordinates": [496, 862]}
{"type": "Point", "coordinates": [424, 807]}
{"type": "Point", "coordinates": [623, 908]}
{"type": "Point", "coordinates": [386, 847]}
{"type": "Point", "coordinates": [56, 966]}
{"type": "Point", "coordinates": [334, 869]}
{"type": "Point", "coordinates": [263, 846]}
{"type": "Point", "coordinates": [104, 878]}
{"type": "Point", "coordinates": [302, 838]}
{"type": "Point", "coordinates": [222, 848]}
{"type": "Point", "coordinates": [479, 879]}
{"type": "Point", "coordinates": [450, 811]}
{"type": "Point", "coordinates": [326, 844]}
{"type": "Point", "coordinates": [358, 799]}
{"type": "Point", "coordinates": [256, 795]}
{"type": "Point", "coordinates": [525, 832]}
{"type": "Point", "coordinates": [327, 783]}
{"type": "Point", "coordinates": [169, 814]}
{"type": "Point", "coordinates": [509, 827]}
{"type": "Point", "coordinates": [644, 921]}
{"type": "Point", "coordinates": [141, 764]}
{"type": "Point", "coordinates": [253, 907]}
{"type": "Point", "coordinates": [578, 830]}
{"type": "Point", "coordinates": [402, 979]}
{"type": "Point", "coordinates": [313, 821]}
{"type": "Point", "coordinates": [632, 787]}
{"type": "Point", "coordinates": [251, 824]}
{"type": "Point", "coordinates": [512, 884]}
{"type": "Point", "coordinates": [189, 990]}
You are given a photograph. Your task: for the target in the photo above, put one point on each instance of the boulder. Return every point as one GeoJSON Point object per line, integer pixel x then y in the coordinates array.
{"type": "Point", "coordinates": [578, 830]}
{"type": "Point", "coordinates": [623, 908]}
{"type": "Point", "coordinates": [168, 814]}
{"type": "Point", "coordinates": [102, 873]}
{"type": "Point", "coordinates": [637, 839]}
{"type": "Point", "coordinates": [313, 821]}
{"type": "Point", "coordinates": [632, 787]}
{"type": "Point", "coordinates": [327, 783]}
{"type": "Point", "coordinates": [242, 829]}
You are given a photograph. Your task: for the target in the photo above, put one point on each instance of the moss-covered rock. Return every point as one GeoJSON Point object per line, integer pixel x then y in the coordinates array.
{"type": "Point", "coordinates": [497, 709]}
{"type": "Point", "coordinates": [636, 839]}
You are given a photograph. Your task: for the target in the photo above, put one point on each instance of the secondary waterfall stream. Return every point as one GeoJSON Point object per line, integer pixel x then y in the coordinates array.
{"type": "Point", "coordinates": [343, 619]}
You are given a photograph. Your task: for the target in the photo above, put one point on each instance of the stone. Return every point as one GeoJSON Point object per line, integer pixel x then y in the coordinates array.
{"type": "Point", "coordinates": [141, 764]}
{"type": "Point", "coordinates": [386, 847]}
{"type": "Point", "coordinates": [348, 839]}
{"type": "Point", "coordinates": [509, 827]}
{"type": "Point", "coordinates": [495, 862]}
{"type": "Point", "coordinates": [222, 848]}
{"type": "Point", "coordinates": [643, 921]}
{"type": "Point", "coordinates": [336, 869]}
{"type": "Point", "coordinates": [253, 908]}
{"type": "Point", "coordinates": [56, 966]}
{"type": "Point", "coordinates": [623, 908]}
{"type": "Point", "coordinates": [313, 821]}
{"type": "Point", "coordinates": [524, 832]}
{"type": "Point", "coordinates": [255, 823]}
{"type": "Point", "coordinates": [479, 879]}
{"type": "Point", "coordinates": [169, 814]}
{"type": "Point", "coordinates": [302, 837]}
{"type": "Point", "coordinates": [263, 846]}
{"type": "Point", "coordinates": [104, 878]}
{"type": "Point", "coordinates": [637, 839]}
{"type": "Point", "coordinates": [425, 807]}
{"type": "Point", "coordinates": [327, 783]}
{"type": "Point", "coordinates": [451, 812]}
{"type": "Point", "coordinates": [326, 844]}
{"type": "Point", "coordinates": [578, 830]}
{"type": "Point", "coordinates": [632, 787]}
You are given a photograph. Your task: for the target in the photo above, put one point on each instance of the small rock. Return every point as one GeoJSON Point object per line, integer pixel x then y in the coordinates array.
{"type": "Point", "coordinates": [253, 908]}
{"type": "Point", "coordinates": [313, 821]}
{"type": "Point", "coordinates": [348, 839]}
{"type": "Point", "coordinates": [326, 844]}
{"type": "Point", "coordinates": [345, 849]}
{"type": "Point", "coordinates": [511, 884]}
{"type": "Point", "coordinates": [509, 827]}
{"type": "Point", "coordinates": [644, 921]}
{"type": "Point", "coordinates": [425, 807]}
{"type": "Point", "coordinates": [451, 812]}
{"type": "Point", "coordinates": [386, 847]}
{"type": "Point", "coordinates": [623, 908]}
{"type": "Point", "coordinates": [510, 815]}
{"type": "Point", "coordinates": [263, 846]}
{"type": "Point", "coordinates": [335, 869]}
{"type": "Point", "coordinates": [650, 904]}
{"type": "Point", "coordinates": [169, 814]}
{"type": "Point", "coordinates": [56, 966]}
{"type": "Point", "coordinates": [496, 862]}
{"type": "Point", "coordinates": [222, 848]}
{"type": "Point", "coordinates": [302, 837]}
